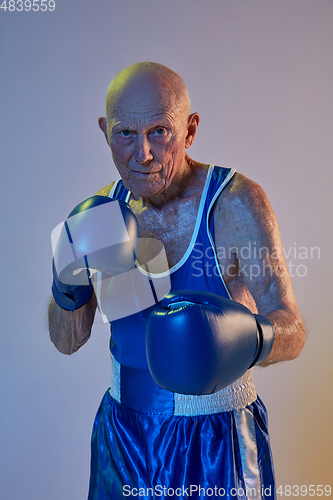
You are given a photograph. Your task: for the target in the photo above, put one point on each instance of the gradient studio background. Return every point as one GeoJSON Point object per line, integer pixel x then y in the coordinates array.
{"type": "Point", "coordinates": [260, 73]}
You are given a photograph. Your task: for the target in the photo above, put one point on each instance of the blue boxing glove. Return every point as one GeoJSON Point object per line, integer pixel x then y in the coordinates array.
{"type": "Point", "coordinates": [198, 342]}
{"type": "Point", "coordinates": [100, 234]}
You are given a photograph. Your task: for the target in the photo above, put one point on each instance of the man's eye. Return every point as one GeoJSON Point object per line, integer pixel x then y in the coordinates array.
{"type": "Point", "coordinates": [125, 133]}
{"type": "Point", "coordinates": [160, 131]}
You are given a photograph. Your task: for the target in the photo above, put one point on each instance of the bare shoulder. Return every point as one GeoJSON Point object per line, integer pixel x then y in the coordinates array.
{"type": "Point", "coordinates": [243, 192]}
{"type": "Point", "coordinates": [244, 200]}
{"type": "Point", "coordinates": [105, 191]}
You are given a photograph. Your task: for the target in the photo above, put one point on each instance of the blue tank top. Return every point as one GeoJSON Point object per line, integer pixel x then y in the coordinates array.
{"type": "Point", "coordinates": [197, 270]}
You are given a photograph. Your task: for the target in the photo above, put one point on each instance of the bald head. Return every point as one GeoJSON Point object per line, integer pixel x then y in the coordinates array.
{"type": "Point", "coordinates": [148, 127]}
{"type": "Point", "coordinates": [146, 79]}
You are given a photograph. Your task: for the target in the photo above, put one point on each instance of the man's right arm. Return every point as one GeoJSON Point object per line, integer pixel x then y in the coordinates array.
{"type": "Point", "coordinates": [69, 330]}
{"type": "Point", "coordinates": [73, 305]}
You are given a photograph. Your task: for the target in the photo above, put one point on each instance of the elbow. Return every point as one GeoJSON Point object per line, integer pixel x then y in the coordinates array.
{"type": "Point", "coordinates": [64, 347]}
{"type": "Point", "coordinates": [300, 342]}
{"type": "Point", "coordinates": [68, 344]}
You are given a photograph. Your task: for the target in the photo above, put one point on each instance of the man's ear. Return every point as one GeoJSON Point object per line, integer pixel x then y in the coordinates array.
{"type": "Point", "coordinates": [192, 126]}
{"type": "Point", "coordinates": [103, 125]}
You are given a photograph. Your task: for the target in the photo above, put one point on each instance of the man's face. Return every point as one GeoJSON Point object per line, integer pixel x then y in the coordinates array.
{"type": "Point", "coordinates": [147, 133]}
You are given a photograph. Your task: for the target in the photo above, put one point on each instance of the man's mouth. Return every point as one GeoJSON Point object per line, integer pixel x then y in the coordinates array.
{"type": "Point", "coordinates": [149, 172]}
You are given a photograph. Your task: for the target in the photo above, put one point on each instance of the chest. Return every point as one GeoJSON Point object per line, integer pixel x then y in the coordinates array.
{"type": "Point", "coordinates": [171, 227]}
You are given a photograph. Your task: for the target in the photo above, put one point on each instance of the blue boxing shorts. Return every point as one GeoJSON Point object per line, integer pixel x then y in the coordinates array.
{"type": "Point", "coordinates": [150, 443]}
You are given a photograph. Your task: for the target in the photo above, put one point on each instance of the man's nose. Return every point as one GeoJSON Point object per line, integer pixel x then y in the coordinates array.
{"type": "Point", "coordinates": [143, 152]}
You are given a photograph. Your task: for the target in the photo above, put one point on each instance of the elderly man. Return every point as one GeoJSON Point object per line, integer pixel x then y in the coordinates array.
{"type": "Point", "coordinates": [182, 417]}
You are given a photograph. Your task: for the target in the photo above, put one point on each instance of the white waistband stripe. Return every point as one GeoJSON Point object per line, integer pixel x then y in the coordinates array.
{"type": "Point", "coordinates": [236, 396]}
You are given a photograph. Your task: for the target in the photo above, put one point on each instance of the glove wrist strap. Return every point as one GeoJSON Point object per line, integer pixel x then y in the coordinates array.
{"type": "Point", "coordinates": [80, 297]}
{"type": "Point", "coordinates": [266, 335]}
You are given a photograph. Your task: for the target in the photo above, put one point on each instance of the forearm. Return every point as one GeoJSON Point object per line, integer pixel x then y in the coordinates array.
{"type": "Point", "coordinates": [70, 330]}
{"type": "Point", "coordinates": [289, 336]}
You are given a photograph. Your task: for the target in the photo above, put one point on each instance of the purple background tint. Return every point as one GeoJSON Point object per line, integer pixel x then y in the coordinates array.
{"type": "Point", "coordinates": [260, 73]}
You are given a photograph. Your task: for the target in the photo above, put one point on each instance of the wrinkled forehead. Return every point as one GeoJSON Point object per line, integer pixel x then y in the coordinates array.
{"type": "Point", "coordinates": [144, 94]}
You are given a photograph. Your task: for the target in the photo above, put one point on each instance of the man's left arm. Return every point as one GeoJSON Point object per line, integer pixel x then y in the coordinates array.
{"type": "Point", "coordinates": [264, 269]}
{"type": "Point", "coordinates": [199, 342]}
